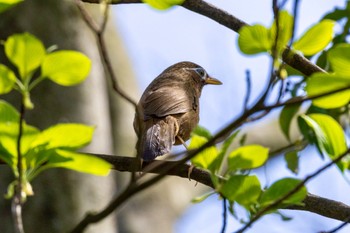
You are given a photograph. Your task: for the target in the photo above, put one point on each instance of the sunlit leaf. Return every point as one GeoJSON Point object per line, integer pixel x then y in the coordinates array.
{"type": "Point", "coordinates": [286, 116]}
{"type": "Point", "coordinates": [7, 79]}
{"type": "Point", "coordinates": [316, 38]}
{"type": "Point", "coordinates": [25, 51]}
{"type": "Point", "coordinates": [254, 39]}
{"type": "Point", "coordinates": [205, 158]}
{"type": "Point", "coordinates": [330, 137]}
{"type": "Point", "coordinates": [66, 68]}
{"type": "Point", "coordinates": [68, 136]}
{"type": "Point", "coordinates": [163, 4]}
{"type": "Point", "coordinates": [285, 25]}
{"type": "Point", "coordinates": [321, 83]}
{"type": "Point", "coordinates": [8, 113]}
{"type": "Point", "coordinates": [6, 4]}
{"type": "Point", "coordinates": [281, 188]}
{"type": "Point", "coordinates": [339, 58]}
{"type": "Point", "coordinates": [79, 162]}
{"type": "Point", "coordinates": [247, 157]}
{"type": "Point", "coordinates": [245, 190]}
{"type": "Point", "coordinates": [9, 128]}
{"type": "Point", "coordinates": [223, 151]}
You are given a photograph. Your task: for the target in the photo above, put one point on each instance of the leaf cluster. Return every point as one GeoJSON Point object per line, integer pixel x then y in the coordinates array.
{"type": "Point", "coordinates": [53, 147]}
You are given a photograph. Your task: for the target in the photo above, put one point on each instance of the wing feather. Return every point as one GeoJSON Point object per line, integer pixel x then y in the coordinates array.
{"type": "Point", "coordinates": [166, 101]}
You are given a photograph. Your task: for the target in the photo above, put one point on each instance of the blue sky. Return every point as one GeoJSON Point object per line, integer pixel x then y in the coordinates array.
{"type": "Point", "coordinates": [156, 40]}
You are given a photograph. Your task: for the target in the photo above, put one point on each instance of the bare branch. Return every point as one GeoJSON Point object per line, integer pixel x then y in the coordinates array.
{"type": "Point", "coordinates": [17, 198]}
{"type": "Point", "coordinates": [249, 90]}
{"type": "Point", "coordinates": [98, 31]}
{"type": "Point", "coordinates": [224, 215]}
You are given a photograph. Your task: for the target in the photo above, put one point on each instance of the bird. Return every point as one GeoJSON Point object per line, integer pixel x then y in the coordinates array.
{"type": "Point", "coordinates": [168, 109]}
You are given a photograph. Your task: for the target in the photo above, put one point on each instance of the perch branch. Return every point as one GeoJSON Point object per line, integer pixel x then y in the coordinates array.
{"type": "Point", "coordinates": [313, 203]}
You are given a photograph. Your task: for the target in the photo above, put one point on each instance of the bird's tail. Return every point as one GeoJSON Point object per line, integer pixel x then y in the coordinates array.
{"type": "Point", "coordinates": [158, 137]}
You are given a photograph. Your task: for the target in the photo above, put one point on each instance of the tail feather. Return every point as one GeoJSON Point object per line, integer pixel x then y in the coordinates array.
{"type": "Point", "coordinates": [158, 137]}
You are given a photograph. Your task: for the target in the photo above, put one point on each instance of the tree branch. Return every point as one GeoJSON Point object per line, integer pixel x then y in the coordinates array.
{"type": "Point", "coordinates": [313, 203]}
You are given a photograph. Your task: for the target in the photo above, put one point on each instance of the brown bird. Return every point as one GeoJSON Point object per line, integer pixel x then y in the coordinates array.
{"type": "Point", "coordinates": [168, 110]}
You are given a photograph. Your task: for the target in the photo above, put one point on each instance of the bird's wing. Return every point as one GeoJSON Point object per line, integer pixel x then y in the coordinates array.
{"type": "Point", "coordinates": [166, 101]}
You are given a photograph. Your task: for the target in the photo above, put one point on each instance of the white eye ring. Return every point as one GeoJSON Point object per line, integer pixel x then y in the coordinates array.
{"type": "Point", "coordinates": [201, 72]}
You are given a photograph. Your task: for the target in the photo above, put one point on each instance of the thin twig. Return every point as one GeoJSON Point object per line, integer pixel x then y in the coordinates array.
{"type": "Point", "coordinates": [224, 215]}
{"type": "Point", "coordinates": [298, 100]}
{"type": "Point", "coordinates": [342, 225]}
{"type": "Point", "coordinates": [98, 31]}
{"type": "Point", "coordinates": [249, 90]}
{"type": "Point", "coordinates": [263, 211]}
{"type": "Point", "coordinates": [17, 198]}
{"type": "Point", "coordinates": [295, 16]}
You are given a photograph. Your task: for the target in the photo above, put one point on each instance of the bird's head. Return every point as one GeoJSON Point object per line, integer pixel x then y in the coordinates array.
{"type": "Point", "coordinates": [203, 76]}
{"type": "Point", "coordinates": [193, 71]}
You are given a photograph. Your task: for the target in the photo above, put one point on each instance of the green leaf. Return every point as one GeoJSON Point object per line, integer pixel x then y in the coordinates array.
{"type": "Point", "coordinates": [8, 113]}
{"type": "Point", "coordinates": [6, 4]}
{"type": "Point", "coordinates": [254, 39]}
{"type": "Point", "coordinates": [336, 15]}
{"type": "Point", "coordinates": [217, 164]}
{"type": "Point", "coordinates": [247, 157]}
{"type": "Point", "coordinates": [292, 161]}
{"type": "Point", "coordinates": [7, 79]}
{"type": "Point", "coordinates": [281, 188]}
{"type": "Point", "coordinates": [79, 162]}
{"type": "Point", "coordinates": [201, 131]}
{"type": "Point", "coordinates": [330, 137]}
{"type": "Point", "coordinates": [285, 25]}
{"type": "Point", "coordinates": [321, 83]}
{"type": "Point", "coordinates": [286, 116]}
{"type": "Point", "coordinates": [205, 158]}
{"type": "Point", "coordinates": [163, 4]}
{"type": "Point", "coordinates": [245, 190]}
{"type": "Point", "coordinates": [316, 38]}
{"type": "Point", "coordinates": [66, 68]}
{"type": "Point", "coordinates": [68, 136]}
{"type": "Point", "coordinates": [26, 52]}
{"type": "Point", "coordinates": [9, 126]}
{"type": "Point", "coordinates": [339, 58]}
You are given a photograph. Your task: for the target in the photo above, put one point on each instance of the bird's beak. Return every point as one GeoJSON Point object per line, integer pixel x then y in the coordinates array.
{"type": "Point", "coordinates": [213, 81]}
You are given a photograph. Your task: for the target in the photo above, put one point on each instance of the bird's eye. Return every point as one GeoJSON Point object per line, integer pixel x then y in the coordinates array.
{"type": "Point", "coordinates": [201, 72]}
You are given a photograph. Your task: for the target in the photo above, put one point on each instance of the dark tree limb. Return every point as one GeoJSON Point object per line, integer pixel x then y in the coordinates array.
{"type": "Point", "coordinates": [313, 203]}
